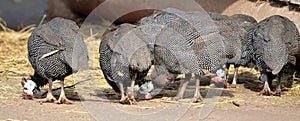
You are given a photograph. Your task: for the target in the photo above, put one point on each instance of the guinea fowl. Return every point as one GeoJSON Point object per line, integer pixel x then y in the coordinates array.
{"type": "Point", "coordinates": [56, 50]}
{"type": "Point", "coordinates": [237, 31]}
{"type": "Point", "coordinates": [247, 25]}
{"type": "Point", "coordinates": [185, 43]}
{"type": "Point", "coordinates": [275, 43]}
{"type": "Point", "coordinates": [125, 60]}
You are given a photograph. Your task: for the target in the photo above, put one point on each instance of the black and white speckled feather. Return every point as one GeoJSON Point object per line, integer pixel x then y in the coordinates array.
{"type": "Point", "coordinates": [275, 43]}
{"type": "Point", "coordinates": [69, 53]}
{"type": "Point", "coordinates": [275, 40]}
{"type": "Point", "coordinates": [124, 55]}
{"type": "Point", "coordinates": [186, 42]}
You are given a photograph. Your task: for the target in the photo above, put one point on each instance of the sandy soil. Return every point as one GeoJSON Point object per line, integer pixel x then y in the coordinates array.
{"type": "Point", "coordinates": [241, 103]}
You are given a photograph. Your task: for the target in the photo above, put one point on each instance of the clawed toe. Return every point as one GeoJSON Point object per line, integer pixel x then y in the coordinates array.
{"type": "Point", "coordinates": [196, 99]}
{"type": "Point", "coordinates": [47, 99]}
{"type": "Point", "coordinates": [277, 94]}
{"type": "Point", "coordinates": [170, 98]}
{"type": "Point", "coordinates": [265, 92]}
{"type": "Point", "coordinates": [269, 93]}
{"type": "Point", "coordinates": [128, 100]}
{"type": "Point", "coordinates": [63, 100]}
{"type": "Point", "coordinates": [232, 86]}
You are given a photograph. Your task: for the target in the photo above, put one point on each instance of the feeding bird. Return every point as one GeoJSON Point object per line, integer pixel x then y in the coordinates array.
{"type": "Point", "coordinates": [275, 43]}
{"type": "Point", "coordinates": [56, 50]}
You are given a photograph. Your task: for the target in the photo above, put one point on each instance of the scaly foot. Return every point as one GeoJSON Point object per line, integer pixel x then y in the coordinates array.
{"type": "Point", "coordinates": [49, 98]}
{"type": "Point", "coordinates": [63, 100]}
{"type": "Point", "coordinates": [266, 90]}
{"type": "Point", "coordinates": [128, 100]}
{"type": "Point", "coordinates": [232, 86]}
{"type": "Point", "coordinates": [196, 99]}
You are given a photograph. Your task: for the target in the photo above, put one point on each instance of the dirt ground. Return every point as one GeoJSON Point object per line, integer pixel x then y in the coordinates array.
{"type": "Point", "coordinates": [241, 103]}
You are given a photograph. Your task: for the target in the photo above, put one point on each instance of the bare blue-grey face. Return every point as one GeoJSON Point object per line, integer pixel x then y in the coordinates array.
{"type": "Point", "coordinates": [146, 90]}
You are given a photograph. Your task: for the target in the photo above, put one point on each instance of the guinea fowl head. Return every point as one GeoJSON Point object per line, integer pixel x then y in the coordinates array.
{"type": "Point", "coordinates": [146, 90]}
{"type": "Point", "coordinates": [29, 88]}
{"type": "Point", "coordinates": [219, 79]}
{"type": "Point", "coordinates": [220, 73]}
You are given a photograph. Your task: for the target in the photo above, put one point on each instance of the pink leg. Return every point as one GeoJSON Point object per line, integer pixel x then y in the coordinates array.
{"type": "Point", "coordinates": [235, 77]}
{"type": "Point", "coordinates": [49, 97]}
{"type": "Point", "coordinates": [62, 98]}
{"type": "Point", "coordinates": [183, 86]}
{"type": "Point", "coordinates": [197, 94]}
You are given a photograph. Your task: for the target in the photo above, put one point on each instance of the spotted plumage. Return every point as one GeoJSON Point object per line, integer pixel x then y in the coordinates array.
{"type": "Point", "coordinates": [237, 31]}
{"type": "Point", "coordinates": [56, 50]}
{"type": "Point", "coordinates": [125, 58]}
{"type": "Point", "coordinates": [275, 43]}
{"type": "Point", "coordinates": [185, 43]}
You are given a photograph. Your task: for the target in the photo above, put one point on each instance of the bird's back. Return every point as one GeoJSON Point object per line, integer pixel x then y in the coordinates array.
{"type": "Point", "coordinates": [247, 24]}
{"type": "Point", "coordinates": [186, 41]}
{"type": "Point", "coordinates": [56, 49]}
{"type": "Point", "coordinates": [274, 40]}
